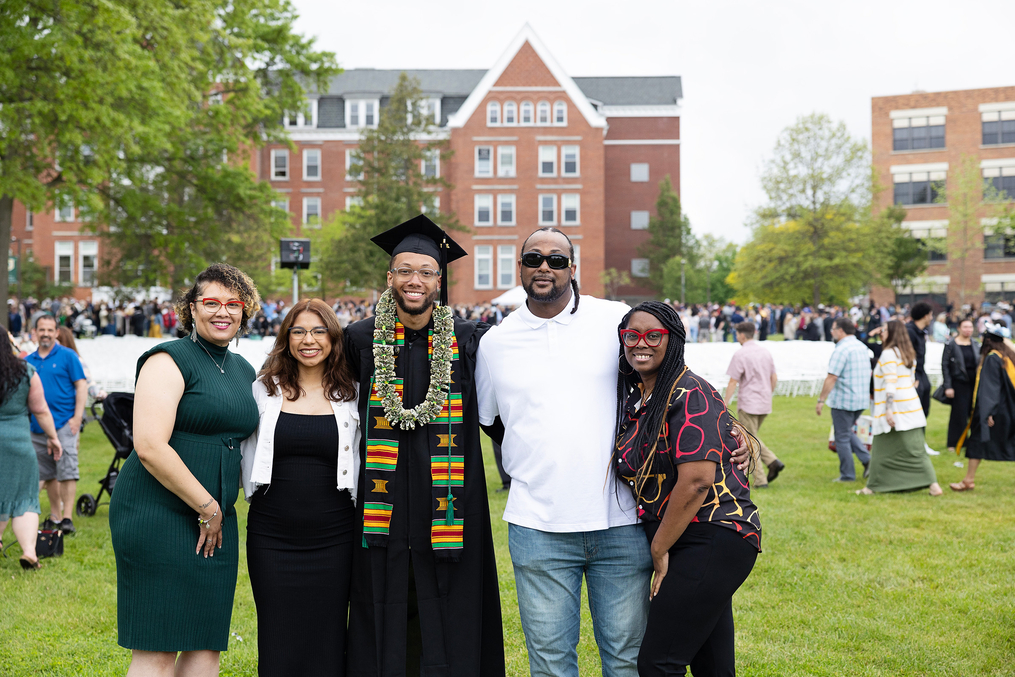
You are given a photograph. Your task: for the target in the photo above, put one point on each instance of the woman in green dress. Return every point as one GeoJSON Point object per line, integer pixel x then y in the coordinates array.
{"type": "Point", "coordinates": [172, 518]}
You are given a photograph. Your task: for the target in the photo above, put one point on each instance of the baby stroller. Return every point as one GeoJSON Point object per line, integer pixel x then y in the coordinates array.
{"type": "Point", "coordinates": [116, 421]}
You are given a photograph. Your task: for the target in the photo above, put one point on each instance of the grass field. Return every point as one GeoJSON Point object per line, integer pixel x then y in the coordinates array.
{"type": "Point", "coordinates": [847, 585]}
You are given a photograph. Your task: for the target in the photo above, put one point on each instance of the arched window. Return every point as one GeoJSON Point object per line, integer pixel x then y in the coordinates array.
{"type": "Point", "coordinates": [543, 114]}
{"type": "Point", "coordinates": [526, 112]}
{"type": "Point", "coordinates": [510, 113]}
{"type": "Point", "coordinates": [492, 114]}
{"type": "Point", "coordinates": [560, 113]}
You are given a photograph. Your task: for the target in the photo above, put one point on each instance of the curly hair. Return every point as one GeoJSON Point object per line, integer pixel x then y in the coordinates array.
{"type": "Point", "coordinates": [12, 369]}
{"type": "Point", "coordinates": [228, 276]}
{"type": "Point", "coordinates": [281, 366]}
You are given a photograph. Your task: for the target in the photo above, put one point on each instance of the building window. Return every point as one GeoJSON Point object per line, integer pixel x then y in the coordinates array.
{"type": "Point", "coordinates": [436, 209]}
{"type": "Point", "coordinates": [361, 113]}
{"type": "Point", "coordinates": [280, 164]}
{"type": "Point", "coordinates": [305, 118]}
{"type": "Point", "coordinates": [543, 113]}
{"type": "Point", "coordinates": [505, 210]}
{"type": "Point", "coordinates": [526, 112]}
{"type": "Point", "coordinates": [570, 165]}
{"type": "Point", "coordinates": [29, 219]}
{"type": "Point", "coordinates": [484, 164]}
{"type": "Point", "coordinates": [1003, 181]}
{"type": "Point", "coordinates": [64, 211]}
{"type": "Point", "coordinates": [483, 208]}
{"type": "Point", "coordinates": [510, 113]}
{"type": "Point", "coordinates": [432, 110]}
{"type": "Point", "coordinates": [312, 212]}
{"type": "Point", "coordinates": [505, 266]}
{"type": "Point", "coordinates": [999, 246]}
{"type": "Point", "coordinates": [998, 127]}
{"type": "Point", "coordinates": [353, 201]}
{"type": "Point", "coordinates": [639, 267]}
{"type": "Point", "coordinates": [432, 164]}
{"type": "Point", "coordinates": [281, 204]}
{"type": "Point", "coordinates": [560, 113]}
{"type": "Point", "coordinates": [639, 220]}
{"type": "Point", "coordinates": [493, 114]}
{"type": "Point", "coordinates": [484, 267]}
{"type": "Point", "coordinates": [570, 209]}
{"type": "Point", "coordinates": [64, 262]}
{"type": "Point", "coordinates": [312, 164]}
{"type": "Point", "coordinates": [505, 161]}
{"type": "Point", "coordinates": [919, 133]}
{"type": "Point", "coordinates": [639, 172]}
{"type": "Point", "coordinates": [547, 161]}
{"type": "Point", "coordinates": [88, 251]}
{"type": "Point", "coordinates": [918, 188]}
{"type": "Point", "coordinates": [548, 210]}
{"type": "Point", "coordinates": [353, 167]}
{"type": "Point", "coordinates": [935, 248]}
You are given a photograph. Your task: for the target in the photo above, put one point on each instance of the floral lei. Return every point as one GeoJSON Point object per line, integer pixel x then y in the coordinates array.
{"type": "Point", "coordinates": [384, 365]}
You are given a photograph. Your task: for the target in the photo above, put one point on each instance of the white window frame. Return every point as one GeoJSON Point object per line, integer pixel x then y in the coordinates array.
{"type": "Point", "coordinates": [282, 203]}
{"type": "Point", "coordinates": [68, 250]}
{"type": "Point", "coordinates": [361, 113]}
{"type": "Point", "coordinates": [307, 154]}
{"type": "Point", "coordinates": [553, 221]}
{"type": "Point", "coordinates": [493, 114]}
{"type": "Point", "coordinates": [475, 156]}
{"type": "Point", "coordinates": [483, 253]}
{"type": "Point", "coordinates": [514, 113]}
{"type": "Point", "coordinates": [639, 266]}
{"type": "Point", "coordinates": [63, 211]}
{"type": "Point", "coordinates": [541, 107]}
{"type": "Point", "coordinates": [544, 150]}
{"type": "Point", "coordinates": [279, 152]}
{"type": "Point", "coordinates": [478, 200]}
{"type": "Point", "coordinates": [434, 156]}
{"type": "Point", "coordinates": [88, 248]}
{"type": "Point", "coordinates": [436, 206]}
{"type": "Point", "coordinates": [29, 219]}
{"type": "Point", "coordinates": [300, 119]}
{"type": "Point", "coordinates": [559, 106]}
{"type": "Point", "coordinates": [577, 161]}
{"type": "Point", "coordinates": [640, 219]}
{"type": "Point", "coordinates": [307, 201]}
{"type": "Point", "coordinates": [564, 199]}
{"type": "Point", "coordinates": [526, 105]}
{"type": "Point", "coordinates": [348, 166]}
{"type": "Point", "coordinates": [503, 171]}
{"type": "Point", "coordinates": [506, 264]}
{"type": "Point", "coordinates": [353, 201]}
{"type": "Point", "coordinates": [635, 173]}
{"type": "Point", "coordinates": [501, 199]}
{"type": "Point", "coordinates": [435, 103]}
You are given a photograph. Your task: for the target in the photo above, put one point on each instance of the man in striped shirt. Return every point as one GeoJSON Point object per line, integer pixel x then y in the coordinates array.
{"type": "Point", "coordinates": [847, 393]}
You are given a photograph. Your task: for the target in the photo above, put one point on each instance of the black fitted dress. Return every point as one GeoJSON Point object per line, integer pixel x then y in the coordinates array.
{"type": "Point", "coordinates": [299, 552]}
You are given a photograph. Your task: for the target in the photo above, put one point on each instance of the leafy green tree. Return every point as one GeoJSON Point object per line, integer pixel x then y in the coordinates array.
{"type": "Point", "coordinates": [905, 256]}
{"type": "Point", "coordinates": [612, 280]}
{"type": "Point", "coordinates": [669, 236]}
{"type": "Point", "coordinates": [394, 188]}
{"type": "Point", "coordinates": [705, 281]}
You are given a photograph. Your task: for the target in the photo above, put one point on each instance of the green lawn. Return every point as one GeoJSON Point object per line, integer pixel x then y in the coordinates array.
{"type": "Point", "coordinates": [847, 585]}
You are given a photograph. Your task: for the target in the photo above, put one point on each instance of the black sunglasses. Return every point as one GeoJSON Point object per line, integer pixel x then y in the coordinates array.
{"type": "Point", "coordinates": [555, 261]}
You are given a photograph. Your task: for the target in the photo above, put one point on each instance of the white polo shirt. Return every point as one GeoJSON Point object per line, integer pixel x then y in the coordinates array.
{"type": "Point", "coordinates": [553, 382]}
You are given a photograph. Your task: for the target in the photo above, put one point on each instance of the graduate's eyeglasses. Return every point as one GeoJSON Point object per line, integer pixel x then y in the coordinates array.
{"type": "Point", "coordinates": [653, 337]}
{"type": "Point", "coordinates": [425, 274]}
{"type": "Point", "coordinates": [213, 305]}
{"type": "Point", "coordinates": [300, 332]}
{"type": "Point", "coordinates": [555, 261]}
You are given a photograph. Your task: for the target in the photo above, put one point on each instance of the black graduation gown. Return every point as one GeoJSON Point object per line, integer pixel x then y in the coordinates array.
{"type": "Point", "coordinates": [995, 397]}
{"type": "Point", "coordinates": [458, 603]}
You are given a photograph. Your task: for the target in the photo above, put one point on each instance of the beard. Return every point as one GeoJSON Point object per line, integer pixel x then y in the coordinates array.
{"type": "Point", "coordinates": [425, 303]}
{"type": "Point", "coordinates": [557, 290]}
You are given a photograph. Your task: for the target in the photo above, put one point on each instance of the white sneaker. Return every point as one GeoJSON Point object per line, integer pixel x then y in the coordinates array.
{"type": "Point", "coordinates": [930, 452]}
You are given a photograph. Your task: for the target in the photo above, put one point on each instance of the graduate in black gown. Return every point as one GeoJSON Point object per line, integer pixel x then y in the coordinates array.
{"type": "Point", "coordinates": [424, 597]}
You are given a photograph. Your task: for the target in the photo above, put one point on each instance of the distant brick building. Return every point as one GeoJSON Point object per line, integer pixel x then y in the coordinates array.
{"type": "Point", "coordinates": [532, 146]}
{"type": "Point", "coordinates": [918, 142]}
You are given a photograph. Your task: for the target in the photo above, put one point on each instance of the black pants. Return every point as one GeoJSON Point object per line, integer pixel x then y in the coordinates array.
{"type": "Point", "coordinates": [690, 622]}
{"type": "Point", "coordinates": [962, 407]}
{"type": "Point", "coordinates": [923, 391]}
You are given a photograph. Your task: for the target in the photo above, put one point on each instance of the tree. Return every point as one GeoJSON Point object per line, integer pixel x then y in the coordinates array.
{"type": "Point", "coordinates": [813, 238]}
{"type": "Point", "coordinates": [905, 256]}
{"type": "Point", "coordinates": [394, 187]}
{"type": "Point", "coordinates": [612, 280]}
{"type": "Point", "coordinates": [669, 236]}
{"type": "Point", "coordinates": [705, 281]}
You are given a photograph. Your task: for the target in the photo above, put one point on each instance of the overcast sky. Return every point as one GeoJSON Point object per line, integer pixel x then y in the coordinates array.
{"type": "Point", "coordinates": [749, 69]}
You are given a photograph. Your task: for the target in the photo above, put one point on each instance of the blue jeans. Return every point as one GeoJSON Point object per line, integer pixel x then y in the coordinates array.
{"type": "Point", "coordinates": [617, 566]}
{"type": "Point", "coordinates": [847, 443]}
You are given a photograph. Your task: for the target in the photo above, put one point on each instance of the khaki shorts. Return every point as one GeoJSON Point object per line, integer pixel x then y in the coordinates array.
{"type": "Point", "coordinates": [64, 469]}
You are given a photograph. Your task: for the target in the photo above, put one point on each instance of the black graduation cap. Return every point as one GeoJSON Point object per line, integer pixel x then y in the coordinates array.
{"type": "Point", "coordinates": [420, 235]}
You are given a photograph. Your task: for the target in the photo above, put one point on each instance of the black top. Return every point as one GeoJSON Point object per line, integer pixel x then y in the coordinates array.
{"type": "Point", "coordinates": [918, 337]}
{"type": "Point", "coordinates": [968, 358]}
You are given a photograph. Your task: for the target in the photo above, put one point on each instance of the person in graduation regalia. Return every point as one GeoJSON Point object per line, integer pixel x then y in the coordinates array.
{"type": "Point", "coordinates": [424, 598]}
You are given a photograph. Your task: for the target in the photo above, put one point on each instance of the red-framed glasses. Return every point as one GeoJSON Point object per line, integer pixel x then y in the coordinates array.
{"type": "Point", "coordinates": [233, 307]}
{"type": "Point", "coordinates": [653, 337]}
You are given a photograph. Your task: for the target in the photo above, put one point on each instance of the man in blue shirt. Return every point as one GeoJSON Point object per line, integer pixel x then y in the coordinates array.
{"type": "Point", "coordinates": [63, 381]}
{"type": "Point", "coordinates": [847, 391]}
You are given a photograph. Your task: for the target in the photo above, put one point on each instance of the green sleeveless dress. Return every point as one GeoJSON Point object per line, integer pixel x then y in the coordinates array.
{"type": "Point", "coordinates": [19, 479]}
{"type": "Point", "coordinates": [168, 598]}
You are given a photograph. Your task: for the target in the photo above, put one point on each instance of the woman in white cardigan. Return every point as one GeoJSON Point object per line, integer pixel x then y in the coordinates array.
{"type": "Point", "coordinates": [898, 459]}
{"type": "Point", "coordinates": [299, 474]}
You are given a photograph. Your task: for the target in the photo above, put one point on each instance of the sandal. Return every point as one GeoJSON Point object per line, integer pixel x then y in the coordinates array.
{"type": "Point", "coordinates": [962, 486]}
{"type": "Point", "coordinates": [864, 492]}
{"type": "Point", "coordinates": [28, 564]}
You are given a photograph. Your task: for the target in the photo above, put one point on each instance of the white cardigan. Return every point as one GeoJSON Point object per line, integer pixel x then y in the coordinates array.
{"type": "Point", "coordinates": [258, 449]}
{"type": "Point", "coordinates": [893, 377]}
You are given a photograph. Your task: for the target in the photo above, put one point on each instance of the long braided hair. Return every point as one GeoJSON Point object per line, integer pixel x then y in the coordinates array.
{"type": "Point", "coordinates": [570, 245]}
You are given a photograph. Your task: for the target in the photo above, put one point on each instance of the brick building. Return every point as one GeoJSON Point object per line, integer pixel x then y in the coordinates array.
{"type": "Point", "coordinates": [532, 146]}
{"type": "Point", "coordinates": [919, 141]}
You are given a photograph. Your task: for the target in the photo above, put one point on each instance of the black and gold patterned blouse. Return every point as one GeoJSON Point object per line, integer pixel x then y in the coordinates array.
{"type": "Point", "coordinates": [697, 428]}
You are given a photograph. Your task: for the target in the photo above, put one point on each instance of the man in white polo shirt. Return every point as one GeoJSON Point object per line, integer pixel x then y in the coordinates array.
{"type": "Point", "coordinates": [549, 373]}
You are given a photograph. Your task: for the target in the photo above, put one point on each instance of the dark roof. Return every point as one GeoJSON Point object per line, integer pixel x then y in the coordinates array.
{"type": "Point", "coordinates": [632, 91]}
{"type": "Point", "coordinates": [611, 91]}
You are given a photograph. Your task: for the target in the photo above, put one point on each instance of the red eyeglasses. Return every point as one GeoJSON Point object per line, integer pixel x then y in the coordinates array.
{"type": "Point", "coordinates": [653, 337]}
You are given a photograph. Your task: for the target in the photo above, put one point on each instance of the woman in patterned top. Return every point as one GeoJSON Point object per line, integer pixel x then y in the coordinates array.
{"type": "Point", "coordinates": [674, 447]}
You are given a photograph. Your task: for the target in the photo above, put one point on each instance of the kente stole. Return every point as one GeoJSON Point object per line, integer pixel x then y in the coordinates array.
{"type": "Point", "coordinates": [447, 469]}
